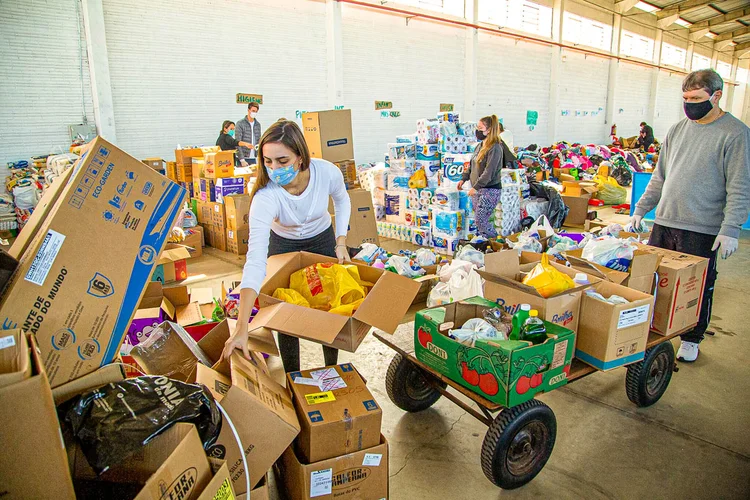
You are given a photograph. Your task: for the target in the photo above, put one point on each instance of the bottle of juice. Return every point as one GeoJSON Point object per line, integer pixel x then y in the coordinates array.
{"type": "Point", "coordinates": [533, 329]}
{"type": "Point", "coordinates": [518, 320]}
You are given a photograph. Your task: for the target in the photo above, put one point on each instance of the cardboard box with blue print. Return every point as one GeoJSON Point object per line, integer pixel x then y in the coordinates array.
{"type": "Point", "coordinates": [228, 186]}
{"type": "Point", "coordinates": [80, 308]}
{"type": "Point", "coordinates": [336, 411]}
{"type": "Point", "coordinates": [612, 335]}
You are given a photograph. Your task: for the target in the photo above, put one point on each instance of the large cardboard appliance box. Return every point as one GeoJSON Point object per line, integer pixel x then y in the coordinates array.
{"type": "Point", "coordinates": [237, 211]}
{"type": "Point", "coordinates": [363, 226]}
{"type": "Point", "coordinates": [612, 335]}
{"type": "Point", "coordinates": [33, 463]}
{"type": "Point", "coordinates": [503, 276]}
{"type": "Point", "coordinates": [356, 476]}
{"type": "Point", "coordinates": [383, 308]}
{"type": "Point", "coordinates": [329, 134]}
{"type": "Point", "coordinates": [336, 410]}
{"type": "Point", "coordinates": [82, 276]}
{"type": "Point", "coordinates": [679, 294]}
{"type": "Point", "coordinates": [262, 413]}
{"type": "Point", "coordinates": [507, 372]}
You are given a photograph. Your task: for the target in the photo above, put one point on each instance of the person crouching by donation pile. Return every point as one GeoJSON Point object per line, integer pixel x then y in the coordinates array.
{"type": "Point", "coordinates": [645, 137]}
{"type": "Point", "coordinates": [700, 188]}
{"type": "Point", "coordinates": [484, 174]}
{"type": "Point", "coordinates": [289, 213]}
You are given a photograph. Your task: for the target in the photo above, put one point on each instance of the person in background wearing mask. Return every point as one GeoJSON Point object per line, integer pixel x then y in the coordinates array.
{"type": "Point", "coordinates": [484, 174]}
{"type": "Point", "coordinates": [507, 137]}
{"type": "Point", "coordinates": [248, 130]}
{"type": "Point", "coordinates": [646, 137]}
{"type": "Point", "coordinates": [289, 213]}
{"type": "Point", "coordinates": [226, 140]}
{"type": "Point", "coordinates": [700, 188]}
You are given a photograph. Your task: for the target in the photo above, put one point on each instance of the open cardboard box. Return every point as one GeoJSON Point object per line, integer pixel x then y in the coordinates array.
{"type": "Point", "coordinates": [383, 308]}
{"type": "Point", "coordinates": [503, 274]}
{"type": "Point", "coordinates": [172, 265]}
{"type": "Point", "coordinates": [639, 277]}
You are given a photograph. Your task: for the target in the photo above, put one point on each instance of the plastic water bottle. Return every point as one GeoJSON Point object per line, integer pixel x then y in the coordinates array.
{"type": "Point", "coordinates": [533, 329]}
{"type": "Point", "coordinates": [581, 279]}
{"type": "Point", "coordinates": [518, 320]}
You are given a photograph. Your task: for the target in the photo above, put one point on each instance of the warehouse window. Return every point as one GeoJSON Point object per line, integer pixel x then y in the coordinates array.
{"type": "Point", "coordinates": [452, 7]}
{"type": "Point", "coordinates": [674, 56]}
{"type": "Point", "coordinates": [701, 62]}
{"type": "Point", "coordinates": [635, 45]}
{"type": "Point", "coordinates": [523, 15]}
{"type": "Point", "coordinates": [583, 31]}
{"type": "Point", "coordinates": [724, 69]}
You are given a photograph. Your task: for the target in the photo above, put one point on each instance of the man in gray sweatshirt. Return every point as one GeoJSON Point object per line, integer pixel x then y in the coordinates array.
{"type": "Point", "coordinates": [700, 188]}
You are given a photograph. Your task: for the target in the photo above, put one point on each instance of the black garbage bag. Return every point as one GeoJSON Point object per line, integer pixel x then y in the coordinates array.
{"type": "Point", "coordinates": [116, 420]}
{"type": "Point", "coordinates": [622, 174]}
{"type": "Point", "coordinates": [557, 210]}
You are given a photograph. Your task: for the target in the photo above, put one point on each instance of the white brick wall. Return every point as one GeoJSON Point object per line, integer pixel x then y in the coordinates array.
{"type": "Point", "coordinates": [40, 93]}
{"type": "Point", "coordinates": [668, 103]}
{"type": "Point", "coordinates": [513, 78]}
{"type": "Point", "coordinates": [583, 88]}
{"type": "Point", "coordinates": [632, 96]}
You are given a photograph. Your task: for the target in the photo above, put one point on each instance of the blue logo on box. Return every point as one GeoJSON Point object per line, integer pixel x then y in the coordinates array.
{"type": "Point", "coordinates": [370, 405]}
{"type": "Point", "coordinates": [347, 368]}
{"type": "Point", "coordinates": [315, 416]}
{"type": "Point", "coordinates": [100, 286]}
{"type": "Point", "coordinates": [338, 142]}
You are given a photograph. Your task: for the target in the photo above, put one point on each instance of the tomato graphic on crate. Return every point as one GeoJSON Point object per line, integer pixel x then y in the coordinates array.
{"type": "Point", "coordinates": [486, 371]}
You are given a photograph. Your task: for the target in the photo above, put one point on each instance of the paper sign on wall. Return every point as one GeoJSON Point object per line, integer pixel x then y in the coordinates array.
{"type": "Point", "coordinates": [444, 108]}
{"type": "Point", "coordinates": [532, 117]}
{"type": "Point", "coordinates": [249, 98]}
{"type": "Point", "coordinates": [383, 105]}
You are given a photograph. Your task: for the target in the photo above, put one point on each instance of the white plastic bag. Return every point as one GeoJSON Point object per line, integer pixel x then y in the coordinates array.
{"type": "Point", "coordinates": [369, 253]}
{"type": "Point", "coordinates": [402, 265]}
{"type": "Point", "coordinates": [630, 228]}
{"type": "Point", "coordinates": [445, 272]}
{"type": "Point", "coordinates": [26, 197]}
{"type": "Point", "coordinates": [610, 252]}
{"type": "Point", "coordinates": [464, 286]}
{"type": "Point", "coordinates": [471, 254]}
{"type": "Point", "coordinates": [542, 223]}
{"type": "Point", "coordinates": [439, 295]}
{"type": "Point", "coordinates": [425, 257]}
{"type": "Point", "coordinates": [526, 244]}
{"type": "Point", "coordinates": [476, 329]}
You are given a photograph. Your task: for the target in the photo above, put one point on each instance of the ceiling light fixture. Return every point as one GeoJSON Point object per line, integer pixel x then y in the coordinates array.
{"type": "Point", "coordinates": [647, 7]}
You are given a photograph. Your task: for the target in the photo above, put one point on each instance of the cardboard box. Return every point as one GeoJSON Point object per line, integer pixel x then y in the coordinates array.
{"type": "Point", "coordinates": [508, 372]}
{"type": "Point", "coordinates": [30, 439]}
{"type": "Point", "coordinates": [336, 411]}
{"type": "Point", "coordinates": [263, 415]}
{"type": "Point", "coordinates": [154, 309]}
{"type": "Point", "coordinates": [503, 285]}
{"type": "Point", "coordinates": [359, 475]}
{"type": "Point", "coordinates": [171, 266]}
{"type": "Point", "coordinates": [15, 365]}
{"type": "Point", "coordinates": [218, 239]}
{"type": "Point", "coordinates": [384, 307]}
{"type": "Point", "coordinates": [579, 188]}
{"type": "Point", "coordinates": [228, 186]}
{"type": "Point", "coordinates": [218, 217]}
{"type": "Point", "coordinates": [237, 211]}
{"type": "Point", "coordinates": [639, 277]}
{"type": "Point", "coordinates": [218, 165]}
{"type": "Point", "coordinates": [170, 351]}
{"type": "Point", "coordinates": [103, 376]}
{"type": "Point", "coordinates": [262, 490]}
{"type": "Point", "coordinates": [172, 171]}
{"type": "Point", "coordinates": [329, 134]}
{"type": "Point", "coordinates": [220, 487]}
{"type": "Point", "coordinates": [611, 335]}
{"type": "Point", "coordinates": [201, 212]}
{"type": "Point", "coordinates": [679, 296]}
{"type": "Point", "coordinates": [185, 156]}
{"type": "Point", "coordinates": [117, 213]}
{"type": "Point", "coordinates": [579, 209]}
{"type": "Point", "coordinates": [237, 241]}
{"type": "Point", "coordinates": [208, 189]}
{"type": "Point", "coordinates": [155, 163]}
{"type": "Point", "coordinates": [184, 172]}
{"type": "Point", "coordinates": [193, 242]}
{"type": "Point", "coordinates": [349, 171]}
{"type": "Point", "coordinates": [363, 226]}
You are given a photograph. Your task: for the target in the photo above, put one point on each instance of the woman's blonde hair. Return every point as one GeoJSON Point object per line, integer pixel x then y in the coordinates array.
{"type": "Point", "coordinates": [492, 136]}
{"type": "Point", "coordinates": [284, 132]}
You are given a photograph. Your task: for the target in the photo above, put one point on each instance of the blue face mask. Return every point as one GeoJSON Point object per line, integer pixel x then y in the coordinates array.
{"type": "Point", "coordinates": [231, 133]}
{"type": "Point", "coordinates": [283, 175]}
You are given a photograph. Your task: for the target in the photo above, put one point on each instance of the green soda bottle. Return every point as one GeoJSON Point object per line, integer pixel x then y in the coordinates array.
{"type": "Point", "coordinates": [518, 320]}
{"type": "Point", "coordinates": [533, 329]}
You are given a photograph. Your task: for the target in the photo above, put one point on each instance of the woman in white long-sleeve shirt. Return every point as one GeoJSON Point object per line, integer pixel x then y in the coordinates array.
{"type": "Point", "coordinates": [289, 213]}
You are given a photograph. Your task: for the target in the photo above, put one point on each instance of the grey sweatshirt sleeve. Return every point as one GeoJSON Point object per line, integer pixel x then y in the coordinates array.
{"type": "Point", "coordinates": [492, 166]}
{"type": "Point", "coordinates": [652, 195]}
{"type": "Point", "coordinates": [737, 175]}
{"type": "Point", "coordinates": [242, 135]}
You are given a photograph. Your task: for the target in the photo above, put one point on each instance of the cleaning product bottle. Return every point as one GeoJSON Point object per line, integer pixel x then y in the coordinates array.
{"type": "Point", "coordinates": [581, 279]}
{"type": "Point", "coordinates": [533, 329]}
{"type": "Point", "coordinates": [518, 320]}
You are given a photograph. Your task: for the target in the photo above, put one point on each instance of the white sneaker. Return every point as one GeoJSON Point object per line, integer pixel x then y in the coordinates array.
{"type": "Point", "coordinates": [688, 352]}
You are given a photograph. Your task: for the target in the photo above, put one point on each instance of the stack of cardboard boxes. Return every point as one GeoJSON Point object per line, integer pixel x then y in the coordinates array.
{"type": "Point", "coordinates": [237, 209]}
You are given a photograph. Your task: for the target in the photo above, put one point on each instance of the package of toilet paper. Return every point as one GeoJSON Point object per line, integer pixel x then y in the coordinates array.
{"type": "Point", "coordinates": [422, 219]}
{"type": "Point", "coordinates": [421, 237]}
{"type": "Point", "coordinates": [454, 143]}
{"type": "Point", "coordinates": [507, 214]}
{"type": "Point", "coordinates": [406, 138]}
{"type": "Point", "coordinates": [427, 152]}
{"type": "Point", "coordinates": [379, 212]}
{"type": "Point", "coordinates": [401, 151]}
{"type": "Point", "coordinates": [395, 206]}
{"type": "Point", "coordinates": [471, 227]}
{"type": "Point", "coordinates": [454, 166]}
{"type": "Point", "coordinates": [449, 223]}
{"type": "Point", "coordinates": [379, 177]}
{"type": "Point", "coordinates": [465, 203]}
{"type": "Point", "coordinates": [450, 117]}
{"type": "Point", "coordinates": [410, 217]}
{"type": "Point", "coordinates": [443, 245]}
{"type": "Point", "coordinates": [428, 131]}
{"type": "Point", "coordinates": [468, 129]}
{"type": "Point", "coordinates": [447, 198]}
{"type": "Point", "coordinates": [447, 128]}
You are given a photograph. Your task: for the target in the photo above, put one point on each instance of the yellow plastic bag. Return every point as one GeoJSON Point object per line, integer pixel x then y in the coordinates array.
{"type": "Point", "coordinates": [418, 180]}
{"type": "Point", "coordinates": [547, 280]}
{"type": "Point", "coordinates": [610, 192]}
{"type": "Point", "coordinates": [330, 287]}
{"type": "Point", "coordinates": [291, 296]}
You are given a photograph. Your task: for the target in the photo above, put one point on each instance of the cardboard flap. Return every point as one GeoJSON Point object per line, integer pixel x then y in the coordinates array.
{"type": "Point", "coordinates": [602, 272]}
{"type": "Point", "coordinates": [189, 314]}
{"type": "Point", "coordinates": [177, 295]}
{"type": "Point", "coordinates": [152, 296]}
{"type": "Point", "coordinates": [173, 255]}
{"type": "Point", "coordinates": [505, 264]}
{"type": "Point", "coordinates": [644, 264]}
{"type": "Point", "coordinates": [202, 295]}
{"type": "Point", "coordinates": [276, 262]}
{"type": "Point", "coordinates": [387, 302]}
{"type": "Point", "coordinates": [213, 342]}
{"type": "Point", "coordinates": [298, 321]}
{"type": "Point", "coordinates": [260, 340]}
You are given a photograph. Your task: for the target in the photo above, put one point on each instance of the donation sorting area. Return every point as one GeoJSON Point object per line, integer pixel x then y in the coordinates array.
{"type": "Point", "coordinates": [112, 366]}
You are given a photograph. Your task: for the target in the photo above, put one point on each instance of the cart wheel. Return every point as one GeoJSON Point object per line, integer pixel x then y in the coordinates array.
{"type": "Point", "coordinates": [648, 379]}
{"type": "Point", "coordinates": [518, 444]}
{"type": "Point", "coordinates": [410, 387]}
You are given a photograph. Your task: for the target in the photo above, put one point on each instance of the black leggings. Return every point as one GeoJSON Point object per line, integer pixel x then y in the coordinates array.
{"type": "Point", "coordinates": [322, 244]}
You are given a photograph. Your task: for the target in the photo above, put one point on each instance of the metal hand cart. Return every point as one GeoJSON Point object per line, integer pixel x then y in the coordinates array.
{"type": "Point", "coordinates": [520, 439]}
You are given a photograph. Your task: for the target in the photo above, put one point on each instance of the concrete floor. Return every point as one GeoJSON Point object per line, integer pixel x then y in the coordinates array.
{"type": "Point", "coordinates": [693, 443]}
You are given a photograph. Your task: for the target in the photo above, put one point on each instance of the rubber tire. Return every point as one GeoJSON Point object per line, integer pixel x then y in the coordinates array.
{"type": "Point", "coordinates": [501, 434]}
{"type": "Point", "coordinates": [400, 374]}
{"type": "Point", "coordinates": [636, 381]}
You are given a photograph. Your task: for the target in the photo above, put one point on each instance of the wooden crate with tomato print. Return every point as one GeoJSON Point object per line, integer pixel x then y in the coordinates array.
{"type": "Point", "coordinates": [506, 372]}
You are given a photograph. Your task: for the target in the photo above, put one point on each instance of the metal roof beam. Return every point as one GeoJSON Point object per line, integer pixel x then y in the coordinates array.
{"type": "Point", "coordinates": [720, 19]}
